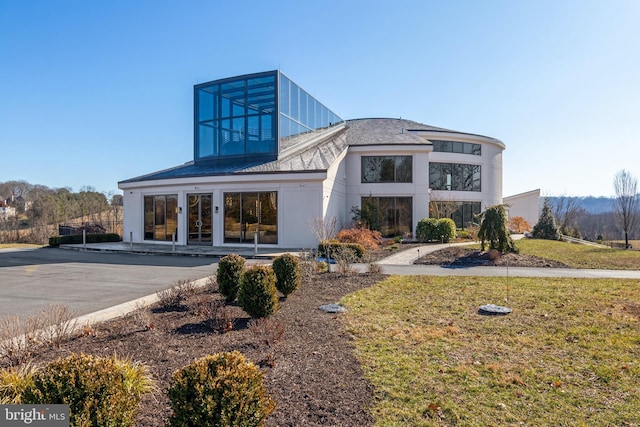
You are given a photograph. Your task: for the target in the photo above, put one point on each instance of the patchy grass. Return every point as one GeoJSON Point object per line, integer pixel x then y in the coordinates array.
{"type": "Point", "coordinates": [18, 246]}
{"type": "Point", "coordinates": [581, 256]}
{"type": "Point", "coordinates": [568, 354]}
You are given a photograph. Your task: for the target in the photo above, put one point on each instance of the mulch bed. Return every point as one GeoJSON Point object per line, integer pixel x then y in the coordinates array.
{"type": "Point", "coordinates": [310, 370]}
{"type": "Point", "coordinates": [458, 256]}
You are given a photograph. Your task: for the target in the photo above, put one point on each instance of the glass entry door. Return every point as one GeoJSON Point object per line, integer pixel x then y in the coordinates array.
{"type": "Point", "coordinates": [200, 229]}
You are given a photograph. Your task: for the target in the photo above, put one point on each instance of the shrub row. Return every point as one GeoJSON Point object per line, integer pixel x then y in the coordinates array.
{"type": "Point", "coordinates": [77, 239]}
{"type": "Point", "coordinates": [222, 389]}
{"type": "Point", "coordinates": [256, 287]}
{"type": "Point", "coordinates": [436, 230]}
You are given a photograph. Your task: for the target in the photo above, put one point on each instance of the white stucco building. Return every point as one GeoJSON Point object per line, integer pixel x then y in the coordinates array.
{"type": "Point", "coordinates": [269, 158]}
{"type": "Point", "coordinates": [525, 205]}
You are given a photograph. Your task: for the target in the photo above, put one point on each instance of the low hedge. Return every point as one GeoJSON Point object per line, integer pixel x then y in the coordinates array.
{"type": "Point", "coordinates": [77, 239]}
{"type": "Point", "coordinates": [334, 246]}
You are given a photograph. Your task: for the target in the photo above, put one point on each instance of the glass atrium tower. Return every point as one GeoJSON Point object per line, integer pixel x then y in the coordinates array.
{"type": "Point", "coordinates": [253, 117]}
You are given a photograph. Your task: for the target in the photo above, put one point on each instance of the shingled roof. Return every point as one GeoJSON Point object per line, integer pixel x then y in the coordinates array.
{"type": "Point", "coordinates": [315, 151]}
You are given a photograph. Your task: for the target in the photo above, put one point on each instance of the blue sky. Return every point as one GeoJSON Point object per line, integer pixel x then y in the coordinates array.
{"type": "Point", "coordinates": [95, 92]}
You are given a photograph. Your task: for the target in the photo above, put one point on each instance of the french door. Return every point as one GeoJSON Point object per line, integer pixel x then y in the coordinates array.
{"type": "Point", "coordinates": [200, 230]}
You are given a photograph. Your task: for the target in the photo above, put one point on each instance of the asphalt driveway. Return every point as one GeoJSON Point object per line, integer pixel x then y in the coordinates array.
{"type": "Point", "coordinates": [87, 281]}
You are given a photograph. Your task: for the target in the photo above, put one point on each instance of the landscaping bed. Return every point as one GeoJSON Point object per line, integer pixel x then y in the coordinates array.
{"type": "Point", "coordinates": [473, 257]}
{"type": "Point", "coordinates": [305, 353]}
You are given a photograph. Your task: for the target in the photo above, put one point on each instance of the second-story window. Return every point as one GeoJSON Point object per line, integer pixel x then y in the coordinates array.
{"type": "Point", "coordinates": [387, 169]}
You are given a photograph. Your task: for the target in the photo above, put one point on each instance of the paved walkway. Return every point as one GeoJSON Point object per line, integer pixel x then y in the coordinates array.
{"type": "Point", "coordinates": [179, 250]}
{"type": "Point", "coordinates": [407, 257]}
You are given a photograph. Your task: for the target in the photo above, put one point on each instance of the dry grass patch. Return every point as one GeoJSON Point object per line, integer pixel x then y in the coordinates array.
{"type": "Point", "coordinates": [569, 354]}
{"type": "Point", "coordinates": [581, 256]}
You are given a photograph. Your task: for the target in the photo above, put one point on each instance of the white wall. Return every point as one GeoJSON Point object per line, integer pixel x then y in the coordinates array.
{"type": "Point", "coordinates": [418, 189]}
{"type": "Point", "coordinates": [299, 199]}
{"type": "Point", "coordinates": [524, 205]}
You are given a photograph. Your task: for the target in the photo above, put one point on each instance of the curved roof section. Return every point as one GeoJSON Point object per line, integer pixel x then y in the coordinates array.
{"type": "Point", "coordinates": [321, 148]}
{"type": "Point", "coordinates": [401, 131]}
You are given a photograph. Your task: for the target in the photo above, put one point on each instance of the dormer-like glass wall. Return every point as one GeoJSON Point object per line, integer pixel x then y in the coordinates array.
{"type": "Point", "coordinates": [301, 113]}
{"type": "Point", "coordinates": [236, 118]}
{"type": "Point", "coordinates": [241, 118]}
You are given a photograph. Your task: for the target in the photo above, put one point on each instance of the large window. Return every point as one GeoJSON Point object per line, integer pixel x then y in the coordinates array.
{"type": "Point", "coordinates": [387, 169]}
{"type": "Point", "coordinates": [391, 216]}
{"type": "Point", "coordinates": [454, 177]}
{"type": "Point", "coordinates": [456, 147]}
{"type": "Point", "coordinates": [235, 118]}
{"type": "Point", "coordinates": [248, 214]}
{"type": "Point", "coordinates": [462, 213]}
{"type": "Point", "coordinates": [161, 217]}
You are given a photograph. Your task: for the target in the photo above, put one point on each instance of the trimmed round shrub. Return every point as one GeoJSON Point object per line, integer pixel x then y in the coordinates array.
{"type": "Point", "coordinates": [446, 229]}
{"type": "Point", "coordinates": [288, 273]}
{"type": "Point", "coordinates": [99, 391]}
{"type": "Point", "coordinates": [229, 276]}
{"type": "Point", "coordinates": [427, 230]}
{"type": "Point", "coordinates": [436, 230]}
{"type": "Point", "coordinates": [258, 295]}
{"type": "Point", "coordinates": [219, 390]}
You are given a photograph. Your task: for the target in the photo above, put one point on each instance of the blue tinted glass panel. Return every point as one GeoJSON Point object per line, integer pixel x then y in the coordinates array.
{"type": "Point", "coordinates": [225, 107]}
{"type": "Point", "coordinates": [318, 116]}
{"type": "Point", "coordinates": [206, 140]}
{"type": "Point", "coordinates": [253, 128]}
{"type": "Point", "coordinates": [295, 103]}
{"type": "Point", "coordinates": [266, 127]}
{"type": "Point", "coordinates": [284, 127]}
{"type": "Point", "coordinates": [205, 105]}
{"type": "Point", "coordinates": [303, 107]}
{"type": "Point", "coordinates": [311, 112]}
{"type": "Point", "coordinates": [284, 96]}
{"type": "Point", "coordinates": [238, 108]}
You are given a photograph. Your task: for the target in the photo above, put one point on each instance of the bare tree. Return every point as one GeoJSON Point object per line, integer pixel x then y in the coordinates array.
{"type": "Point", "coordinates": [443, 208]}
{"type": "Point", "coordinates": [323, 228]}
{"type": "Point", "coordinates": [626, 203]}
{"type": "Point", "coordinates": [567, 211]}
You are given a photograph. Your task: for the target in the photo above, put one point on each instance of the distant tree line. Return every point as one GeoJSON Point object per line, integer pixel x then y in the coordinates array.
{"type": "Point", "coordinates": [618, 223]}
{"type": "Point", "coordinates": [38, 208]}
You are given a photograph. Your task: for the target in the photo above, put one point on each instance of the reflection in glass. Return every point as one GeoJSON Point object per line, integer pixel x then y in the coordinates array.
{"type": "Point", "coordinates": [394, 215]}
{"type": "Point", "coordinates": [160, 217]}
{"type": "Point", "coordinates": [386, 169]}
{"type": "Point", "coordinates": [249, 214]}
{"type": "Point", "coordinates": [454, 176]}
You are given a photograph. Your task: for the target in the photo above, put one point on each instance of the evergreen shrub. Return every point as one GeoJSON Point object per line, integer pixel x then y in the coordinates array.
{"type": "Point", "coordinates": [494, 230]}
{"type": "Point", "coordinates": [99, 391]}
{"type": "Point", "coordinates": [436, 230]}
{"type": "Point", "coordinates": [229, 275]}
{"type": "Point", "coordinates": [258, 295]}
{"type": "Point", "coordinates": [333, 246]}
{"type": "Point", "coordinates": [288, 273]}
{"type": "Point", "coordinates": [219, 390]}
{"type": "Point", "coordinates": [76, 239]}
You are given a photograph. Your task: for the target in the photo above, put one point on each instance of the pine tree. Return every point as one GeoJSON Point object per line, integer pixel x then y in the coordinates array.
{"type": "Point", "coordinates": [546, 228]}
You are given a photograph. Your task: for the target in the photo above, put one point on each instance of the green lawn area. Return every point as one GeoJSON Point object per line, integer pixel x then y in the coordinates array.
{"type": "Point", "coordinates": [581, 256]}
{"type": "Point", "coordinates": [568, 354]}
